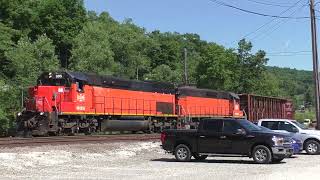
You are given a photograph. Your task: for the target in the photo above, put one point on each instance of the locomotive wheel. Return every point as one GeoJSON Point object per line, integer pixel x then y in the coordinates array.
{"type": "Point", "coordinates": [90, 130]}
{"type": "Point", "coordinates": [74, 131]}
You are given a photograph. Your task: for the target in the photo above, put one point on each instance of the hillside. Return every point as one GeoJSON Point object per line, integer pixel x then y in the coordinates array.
{"type": "Point", "coordinates": [294, 84]}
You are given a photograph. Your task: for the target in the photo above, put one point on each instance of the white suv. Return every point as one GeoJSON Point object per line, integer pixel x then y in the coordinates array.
{"type": "Point", "coordinates": [310, 138]}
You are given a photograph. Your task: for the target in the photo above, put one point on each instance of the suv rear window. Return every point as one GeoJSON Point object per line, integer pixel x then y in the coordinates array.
{"type": "Point", "coordinates": [213, 125]}
{"type": "Point", "coordinates": [273, 125]}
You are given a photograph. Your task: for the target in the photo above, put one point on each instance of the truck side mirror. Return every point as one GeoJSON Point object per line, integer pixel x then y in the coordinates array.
{"type": "Point", "coordinates": [295, 130]}
{"type": "Point", "coordinates": [241, 132]}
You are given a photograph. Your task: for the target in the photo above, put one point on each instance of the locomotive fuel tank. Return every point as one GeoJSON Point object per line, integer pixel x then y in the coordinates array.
{"type": "Point", "coordinates": [125, 123]}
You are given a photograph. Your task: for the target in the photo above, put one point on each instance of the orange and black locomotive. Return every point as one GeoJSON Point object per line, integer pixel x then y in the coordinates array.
{"type": "Point", "coordinates": [73, 102]}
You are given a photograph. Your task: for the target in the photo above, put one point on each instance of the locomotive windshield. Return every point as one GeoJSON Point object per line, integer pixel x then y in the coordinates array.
{"type": "Point", "coordinates": [53, 79]}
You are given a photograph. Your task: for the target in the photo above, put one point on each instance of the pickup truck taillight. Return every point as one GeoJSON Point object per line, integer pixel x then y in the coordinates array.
{"type": "Point", "coordinates": [163, 137]}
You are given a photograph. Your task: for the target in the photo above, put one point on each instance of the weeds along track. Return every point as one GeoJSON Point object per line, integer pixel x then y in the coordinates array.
{"type": "Point", "coordinates": [57, 140]}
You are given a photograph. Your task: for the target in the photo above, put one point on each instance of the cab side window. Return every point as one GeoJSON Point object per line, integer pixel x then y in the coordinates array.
{"type": "Point", "coordinates": [273, 125]}
{"type": "Point", "coordinates": [213, 125]}
{"type": "Point", "coordinates": [287, 127]}
{"type": "Point", "coordinates": [231, 127]}
{"type": "Point", "coordinates": [80, 86]}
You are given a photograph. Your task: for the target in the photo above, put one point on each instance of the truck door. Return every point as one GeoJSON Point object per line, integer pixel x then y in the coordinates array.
{"type": "Point", "coordinates": [209, 139]}
{"type": "Point", "coordinates": [235, 141]}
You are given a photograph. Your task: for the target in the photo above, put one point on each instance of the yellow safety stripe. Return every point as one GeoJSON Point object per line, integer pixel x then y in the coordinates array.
{"type": "Point", "coordinates": [126, 114]}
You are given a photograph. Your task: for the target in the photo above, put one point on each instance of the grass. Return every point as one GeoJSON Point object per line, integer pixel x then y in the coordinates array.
{"type": "Point", "coordinates": [308, 114]}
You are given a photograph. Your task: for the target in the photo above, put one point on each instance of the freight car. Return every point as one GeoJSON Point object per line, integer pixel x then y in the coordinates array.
{"type": "Point", "coordinates": [263, 107]}
{"type": "Point", "coordinates": [73, 102]}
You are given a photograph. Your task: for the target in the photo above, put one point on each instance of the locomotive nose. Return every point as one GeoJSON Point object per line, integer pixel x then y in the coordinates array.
{"type": "Point", "coordinates": [32, 91]}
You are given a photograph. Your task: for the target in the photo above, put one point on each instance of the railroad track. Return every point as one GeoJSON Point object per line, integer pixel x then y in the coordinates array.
{"type": "Point", "coordinates": [57, 140]}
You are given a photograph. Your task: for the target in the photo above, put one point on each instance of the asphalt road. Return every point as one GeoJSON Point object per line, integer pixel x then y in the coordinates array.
{"type": "Point", "coordinates": [140, 160]}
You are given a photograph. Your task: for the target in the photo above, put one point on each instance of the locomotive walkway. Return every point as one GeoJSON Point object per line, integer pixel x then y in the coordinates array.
{"type": "Point", "coordinates": [57, 140]}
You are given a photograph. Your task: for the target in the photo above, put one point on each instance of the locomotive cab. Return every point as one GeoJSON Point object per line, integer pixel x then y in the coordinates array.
{"type": "Point", "coordinates": [47, 95]}
{"type": "Point", "coordinates": [53, 79]}
{"type": "Point", "coordinates": [45, 102]}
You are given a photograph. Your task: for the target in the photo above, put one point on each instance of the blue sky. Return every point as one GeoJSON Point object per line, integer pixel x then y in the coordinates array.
{"type": "Point", "coordinates": [223, 25]}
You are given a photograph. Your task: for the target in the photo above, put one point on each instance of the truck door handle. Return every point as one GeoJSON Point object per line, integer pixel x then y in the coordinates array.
{"type": "Point", "coordinates": [202, 136]}
{"type": "Point", "coordinates": [223, 137]}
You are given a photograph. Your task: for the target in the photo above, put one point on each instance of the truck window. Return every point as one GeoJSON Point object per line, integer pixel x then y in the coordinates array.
{"type": "Point", "coordinates": [287, 127]}
{"type": "Point", "coordinates": [273, 125]}
{"type": "Point", "coordinates": [213, 125]}
{"type": "Point", "coordinates": [230, 127]}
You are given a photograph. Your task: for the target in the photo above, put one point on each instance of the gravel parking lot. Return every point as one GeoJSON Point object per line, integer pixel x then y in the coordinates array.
{"type": "Point", "coordinates": [140, 160]}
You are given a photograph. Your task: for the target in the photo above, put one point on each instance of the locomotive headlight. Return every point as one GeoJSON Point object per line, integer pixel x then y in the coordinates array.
{"type": "Point", "coordinates": [278, 141]}
{"type": "Point", "coordinates": [42, 113]}
{"type": "Point", "coordinates": [19, 114]}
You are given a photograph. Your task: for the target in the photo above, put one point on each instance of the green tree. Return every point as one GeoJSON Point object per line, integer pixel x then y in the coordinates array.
{"type": "Point", "coordinates": [9, 105]}
{"type": "Point", "coordinates": [250, 68]}
{"type": "Point", "coordinates": [163, 73]}
{"type": "Point", "coordinates": [7, 37]}
{"type": "Point", "coordinates": [29, 59]}
{"type": "Point", "coordinates": [130, 46]}
{"type": "Point", "coordinates": [269, 86]}
{"type": "Point", "coordinates": [92, 51]}
{"type": "Point", "coordinates": [215, 70]}
{"type": "Point", "coordinates": [60, 20]}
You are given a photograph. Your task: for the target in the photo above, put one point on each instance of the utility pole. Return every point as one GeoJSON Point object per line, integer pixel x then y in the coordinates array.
{"type": "Point", "coordinates": [137, 69]}
{"type": "Point", "coordinates": [185, 67]}
{"type": "Point", "coordinates": [22, 98]}
{"type": "Point", "coordinates": [315, 61]}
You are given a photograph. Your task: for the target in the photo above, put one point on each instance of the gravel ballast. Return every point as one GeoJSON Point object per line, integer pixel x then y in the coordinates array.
{"type": "Point", "coordinates": [140, 160]}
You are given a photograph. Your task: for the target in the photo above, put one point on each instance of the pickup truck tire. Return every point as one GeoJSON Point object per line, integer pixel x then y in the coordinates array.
{"type": "Point", "coordinates": [312, 147]}
{"type": "Point", "coordinates": [261, 154]}
{"type": "Point", "coordinates": [182, 153]}
{"type": "Point", "coordinates": [199, 157]}
{"type": "Point", "coordinates": [277, 160]}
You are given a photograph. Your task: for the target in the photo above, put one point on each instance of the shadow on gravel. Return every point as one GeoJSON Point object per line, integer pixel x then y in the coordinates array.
{"type": "Point", "coordinates": [306, 154]}
{"type": "Point", "coordinates": [293, 157]}
{"type": "Point", "coordinates": [225, 161]}
{"type": "Point", "coordinates": [208, 161]}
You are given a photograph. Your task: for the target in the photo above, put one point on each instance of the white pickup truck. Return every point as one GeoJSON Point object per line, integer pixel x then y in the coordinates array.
{"type": "Point", "coordinates": [309, 137]}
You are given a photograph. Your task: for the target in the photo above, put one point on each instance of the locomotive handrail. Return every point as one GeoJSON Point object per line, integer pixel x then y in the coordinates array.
{"type": "Point", "coordinates": [205, 111]}
{"type": "Point", "coordinates": [126, 104]}
{"type": "Point", "coordinates": [109, 107]}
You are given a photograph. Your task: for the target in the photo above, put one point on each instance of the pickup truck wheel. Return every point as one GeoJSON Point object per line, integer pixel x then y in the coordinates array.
{"type": "Point", "coordinates": [277, 160]}
{"type": "Point", "coordinates": [182, 153]}
{"type": "Point", "coordinates": [199, 157]}
{"type": "Point", "coordinates": [261, 154]}
{"type": "Point", "coordinates": [312, 147]}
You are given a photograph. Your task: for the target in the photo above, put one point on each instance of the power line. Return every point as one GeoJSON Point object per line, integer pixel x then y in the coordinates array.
{"type": "Point", "coordinates": [275, 2]}
{"type": "Point", "coordinates": [306, 54]}
{"type": "Point", "coordinates": [273, 19]}
{"type": "Point", "coordinates": [269, 22]}
{"type": "Point", "coordinates": [276, 26]}
{"type": "Point", "coordinates": [253, 12]}
{"type": "Point", "coordinates": [268, 3]}
{"type": "Point", "coordinates": [289, 52]}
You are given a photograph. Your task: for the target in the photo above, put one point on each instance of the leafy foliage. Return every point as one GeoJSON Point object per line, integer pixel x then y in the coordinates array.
{"type": "Point", "coordinates": [60, 20]}
{"type": "Point", "coordinates": [92, 51]}
{"type": "Point", "coordinates": [29, 59]}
